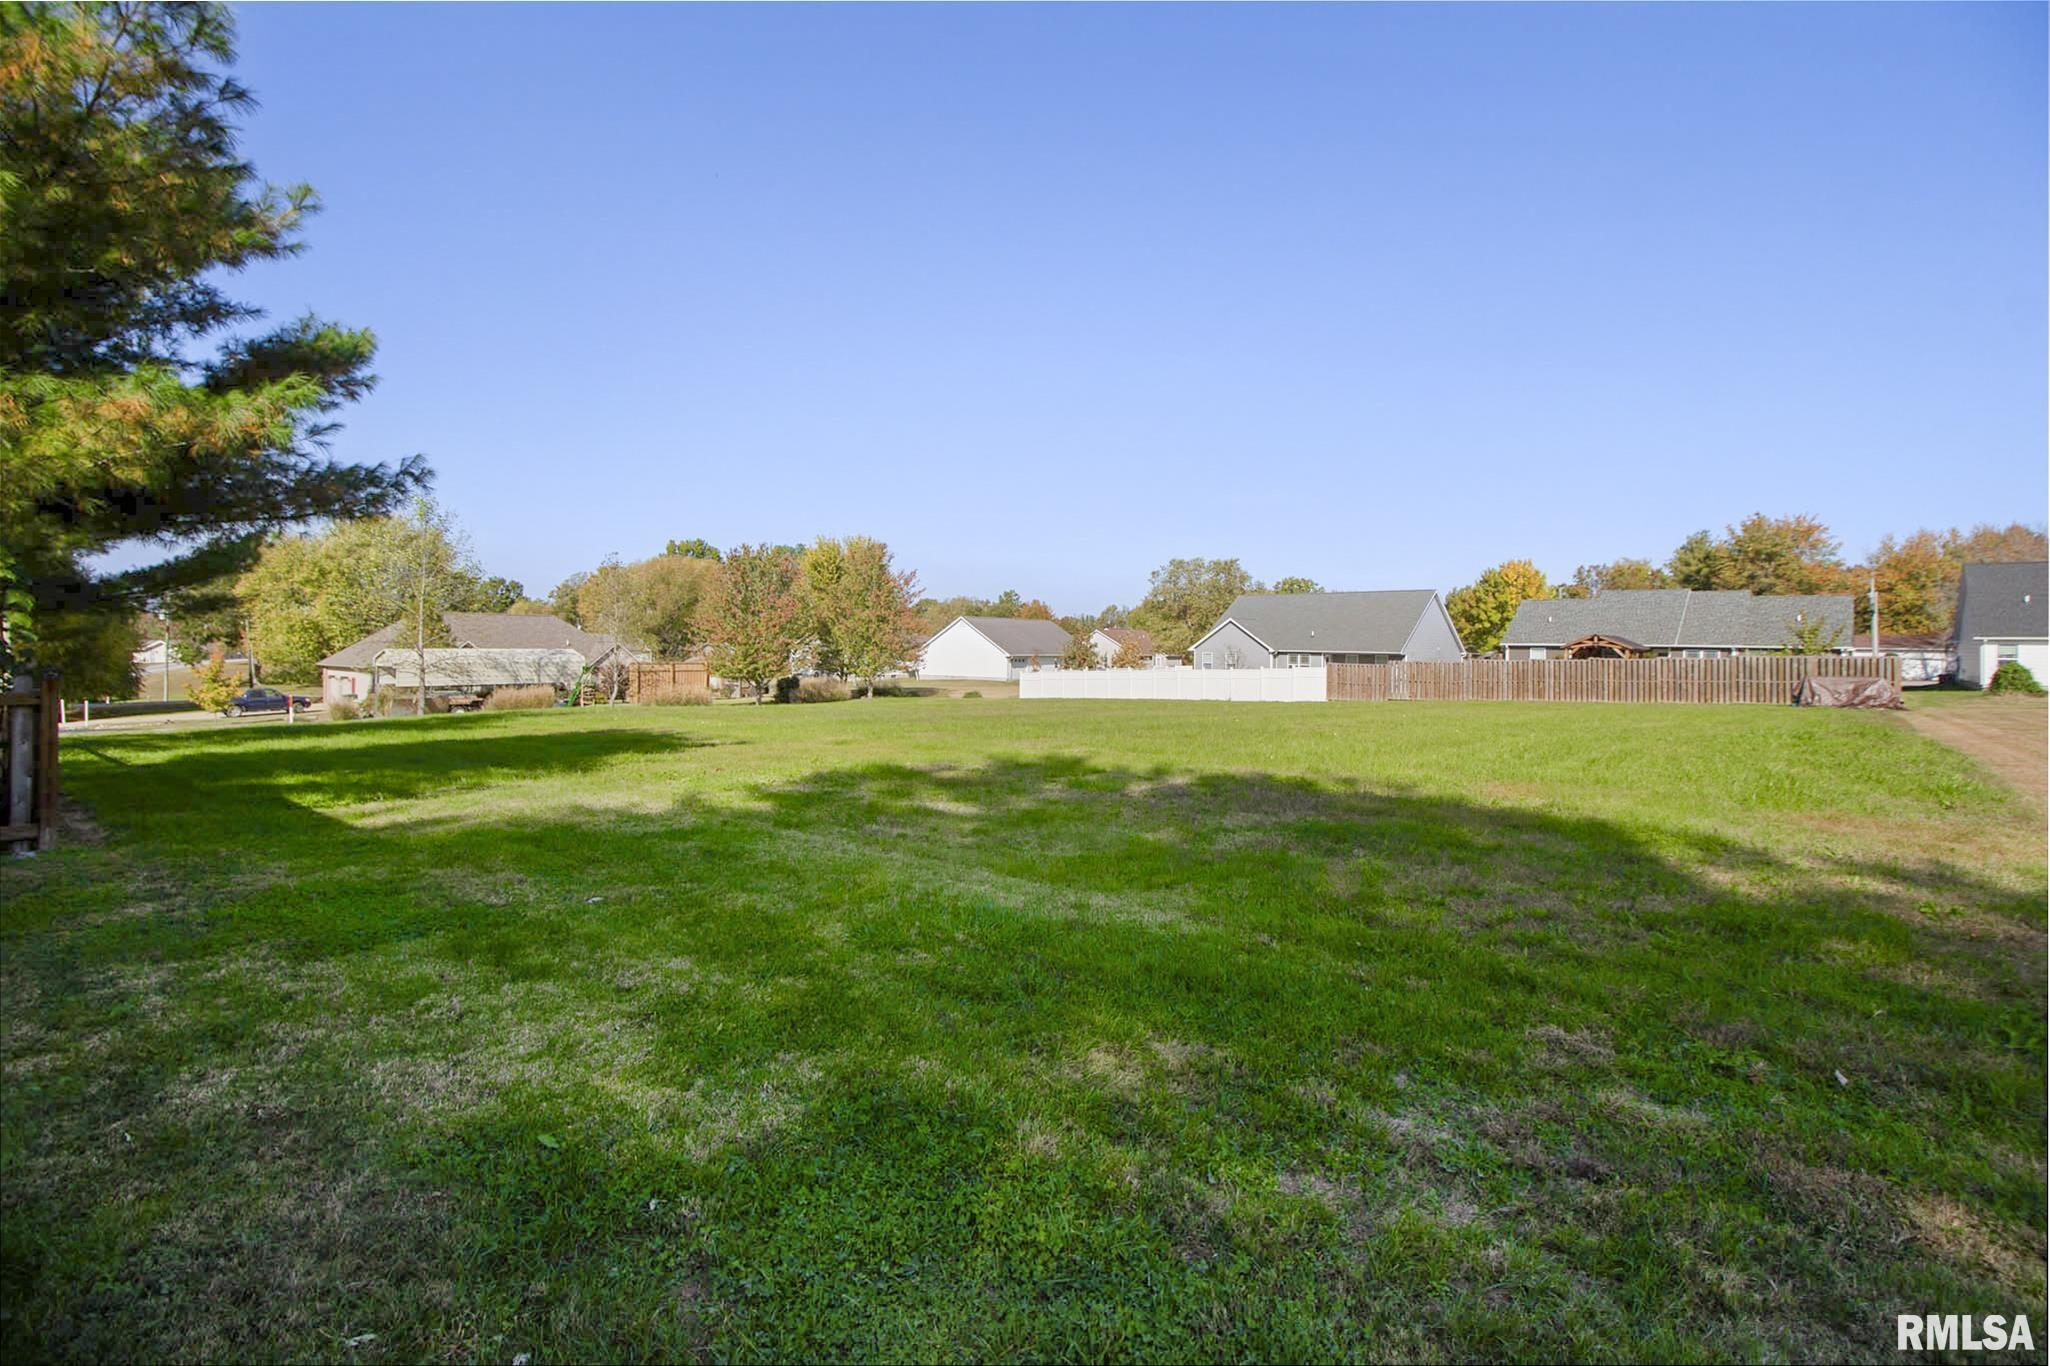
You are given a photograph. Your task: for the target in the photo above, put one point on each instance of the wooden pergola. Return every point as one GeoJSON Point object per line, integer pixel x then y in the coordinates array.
{"type": "Point", "coordinates": [1599, 646]}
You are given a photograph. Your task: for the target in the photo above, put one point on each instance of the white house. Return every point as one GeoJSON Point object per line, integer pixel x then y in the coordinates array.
{"type": "Point", "coordinates": [1925, 660]}
{"type": "Point", "coordinates": [1110, 641]}
{"type": "Point", "coordinates": [2001, 616]}
{"type": "Point", "coordinates": [994, 648]}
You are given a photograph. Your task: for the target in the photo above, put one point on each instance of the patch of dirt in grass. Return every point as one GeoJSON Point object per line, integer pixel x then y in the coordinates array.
{"type": "Point", "coordinates": [1942, 1224]}
{"type": "Point", "coordinates": [1558, 1048]}
{"type": "Point", "coordinates": [77, 826]}
{"type": "Point", "coordinates": [1849, 1206]}
{"type": "Point", "coordinates": [2009, 736]}
{"type": "Point", "coordinates": [1039, 1138]}
{"type": "Point", "coordinates": [743, 1113]}
{"type": "Point", "coordinates": [1108, 1065]}
{"type": "Point", "coordinates": [1170, 1064]}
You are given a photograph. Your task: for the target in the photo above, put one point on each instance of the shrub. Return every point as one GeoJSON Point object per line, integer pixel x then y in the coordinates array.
{"type": "Point", "coordinates": [821, 690]}
{"type": "Point", "coordinates": [786, 689]}
{"type": "Point", "coordinates": [680, 697]}
{"type": "Point", "coordinates": [2014, 677]}
{"type": "Point", "coordinates": [531, 698]}
{"type": "Point", "coordinates": [971, 693]}
{"type": "Point", "coordinates": [342, 709]}
{"type": "Point", "coordinates": [211, 688]}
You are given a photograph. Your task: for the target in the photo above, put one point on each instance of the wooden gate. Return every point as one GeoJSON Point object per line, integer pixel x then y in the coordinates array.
{"type": "Point", "coordinates": [29, 716]}
{"type": "Point", "coordinates": [666, 678]}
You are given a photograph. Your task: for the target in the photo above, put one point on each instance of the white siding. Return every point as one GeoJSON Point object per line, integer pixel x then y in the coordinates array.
{"type": "Point", "coordinates": [344, 684]}
{"type": "Point", "coordinates": [961, 651]}
{"type": "Point", "coordinates": [1984, 655]}
{"type": "Point", "coordinates": [1183, 685]}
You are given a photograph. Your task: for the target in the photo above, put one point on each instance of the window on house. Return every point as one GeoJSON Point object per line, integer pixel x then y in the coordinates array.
{"type": "Point", "coordinates": [1209, 660]}
{"type": "Point", "coordinates": [1537, 652]}
{"type": "Point", "coordinates": [2008, 654]}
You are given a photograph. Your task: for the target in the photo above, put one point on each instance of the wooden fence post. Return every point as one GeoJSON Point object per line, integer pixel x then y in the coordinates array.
{"type": "Point", "coordinates": [48, 716]}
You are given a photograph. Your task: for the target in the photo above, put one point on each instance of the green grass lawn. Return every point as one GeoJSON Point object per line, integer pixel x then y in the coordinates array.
{"type": "Point", "coordinates": [929, 1028]}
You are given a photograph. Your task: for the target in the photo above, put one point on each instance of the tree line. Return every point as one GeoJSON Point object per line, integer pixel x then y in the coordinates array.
{"type": "Point", "coordinates": [838, 606]}
{"type": "Point", "coordinates": [1916, 575]}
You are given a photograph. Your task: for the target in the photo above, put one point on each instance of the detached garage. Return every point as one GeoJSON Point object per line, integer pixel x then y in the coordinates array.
{"type": "Point", "coordinates": [994, 648]}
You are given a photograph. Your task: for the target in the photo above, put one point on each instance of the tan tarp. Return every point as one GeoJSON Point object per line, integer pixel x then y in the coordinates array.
{"type": "Point", "coordinates": [1847, 692]}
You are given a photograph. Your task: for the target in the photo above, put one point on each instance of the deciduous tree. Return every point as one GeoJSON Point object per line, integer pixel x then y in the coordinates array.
{"type": "Point", "coordinates": [1296, 584]}
{"type": "Point", "coordinates": [1185, 598]}
{"type": "Point", "coordinates": [423, 570]}
{"type": "Point", "coordinates": [868, 609]}
{"type": "Point", "coordinates": [697, 548]}
{"type": "Point", "coordinates": [211, 688]}
{"type": "Point", "coordinates": [1590, 579]}
{"type": "Point", "coordinates": [1484, 608]}
{"type": "Point", "coordinates": [753, 616]}
{"type": "Point", "coordinates": [1764, 555]}
{"type": "Point", "coordinates": [652, 603]}
{"type": "Point", "coordinates": [1080, 653]}
{"type": "Point", "coordinates": [562, 599]}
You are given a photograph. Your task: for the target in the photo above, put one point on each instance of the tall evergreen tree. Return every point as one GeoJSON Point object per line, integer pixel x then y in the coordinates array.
{"type": "Point", "coordinates": [123, 203]}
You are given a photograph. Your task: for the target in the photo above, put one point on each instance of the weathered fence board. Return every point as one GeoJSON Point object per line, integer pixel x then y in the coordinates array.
{"type": "Point", "coordinates": [28, 767]}
{"type": "Point", "coordinates": [666, 677]}
{"type": "Point", "coordinates": [1767, 679]}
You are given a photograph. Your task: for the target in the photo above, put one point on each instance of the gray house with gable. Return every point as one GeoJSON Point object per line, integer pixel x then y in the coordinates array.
{"type": "Point", "coordinates": [1691, 623]}
{"type": "Point", "coordinates": [1310, 630]}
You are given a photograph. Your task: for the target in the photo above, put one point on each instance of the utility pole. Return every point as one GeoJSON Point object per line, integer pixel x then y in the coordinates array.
{"type": "Point", "coordinates": [1872, 596]}
{"type": "Point", "coordinates": [420, 634]}
{"type": "Point", "coordinates": [167, 650]}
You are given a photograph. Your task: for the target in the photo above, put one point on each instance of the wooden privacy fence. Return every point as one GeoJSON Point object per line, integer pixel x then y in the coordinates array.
{"type": "Point", "coordinates": [666, 678]}
{"type": "Point", "coordinates": [29, 716]}
{"type": "Point", "coordinates": [1737, 678]}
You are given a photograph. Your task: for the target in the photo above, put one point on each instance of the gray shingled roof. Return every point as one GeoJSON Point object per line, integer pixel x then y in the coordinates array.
{"type": "Point", "coordinates": [483, 631]}
{"type": "Point", "coordinates": [1375, 623]}
{"type": "Point", "coordinates": [1680, 618]}
{"type": "Point", "coordinates": [360, 655]}
{"type": "Point", "coordinates": [2003, 601]}
{"type": "Point", "coordinates": [482, 667]}
{"type": "Point", "coordinates": [1023, 635]}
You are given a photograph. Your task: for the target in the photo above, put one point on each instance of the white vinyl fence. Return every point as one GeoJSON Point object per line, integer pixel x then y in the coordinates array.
{"type": "Point", "coordinates": [1178, 685]}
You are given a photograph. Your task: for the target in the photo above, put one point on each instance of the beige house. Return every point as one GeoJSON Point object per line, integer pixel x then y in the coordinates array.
{"type": "Point", "coordinates": [352, 672]}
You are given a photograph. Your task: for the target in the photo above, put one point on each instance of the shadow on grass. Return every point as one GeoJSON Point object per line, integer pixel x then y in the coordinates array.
{"type": "Point", "coordinates": [326, 766]}
{"type": "Point", "coordinates": [1046, 1058]}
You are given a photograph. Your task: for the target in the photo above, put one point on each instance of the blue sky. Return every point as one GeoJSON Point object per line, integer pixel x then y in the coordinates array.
{"type": "Point", "coordinates": [1045, 296]}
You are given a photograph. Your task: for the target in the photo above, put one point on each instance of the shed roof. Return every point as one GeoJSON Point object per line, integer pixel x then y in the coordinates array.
{"type": "Point", "coordinates": [2003, 601]}
{"type": "Point", "coordinates": [1376, 622]}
